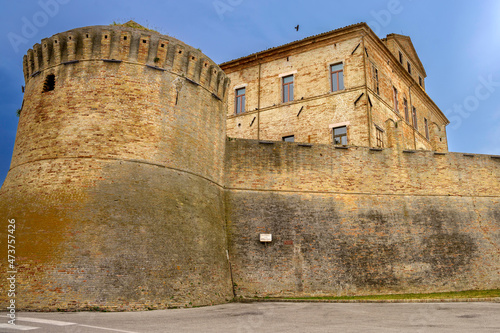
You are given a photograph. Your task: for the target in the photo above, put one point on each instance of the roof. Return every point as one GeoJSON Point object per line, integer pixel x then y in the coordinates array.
{"type": "Point", "coordinates": [408, 47]}
{"type": "Point", "coordinates": [361, 24]}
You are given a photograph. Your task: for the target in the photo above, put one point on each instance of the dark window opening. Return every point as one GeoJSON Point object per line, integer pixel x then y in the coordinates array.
{"type": "Point", "coordinates": [337, 77]}
{"type": "Point", "coordinates": [105, 36]}
{"type": "Point", "coordinates": [144, 41]}
{"type": "Point", "coordinates": [240, 100]}
{"type": "Point", "coordinates": [124, 37]}
{"type": "Point", "coordinates": [50, 83]}
{"type": "Point", "coordinates": [426, 124]}
{"type": "Point", "coordinates": [375, 80]}
{"type": "Point", "coordinates": [420, 80]}
{"type": "Point", "coordinates": [162, 45]}
{"type": "Point", "coordinates": [289, 138]}
{"type": "Point", "coordinates": [407, 113]}
{"type": "Point", "coordinates": [395, 99]}
{"type": "Point", "coordinates": [409, 67]}
{"type": "Point", "coordinates": [288, 88]}
{"type": "Point", "coordinates": [340, 135]}
{"type": "Point", "coordinates": [414, 113]}
{"type": "Point", "coordinates": [380, 138]}
{"type": "Point", "coordinates": [400, 57]}
{"type": "Point", "coordinates": [87, 35]}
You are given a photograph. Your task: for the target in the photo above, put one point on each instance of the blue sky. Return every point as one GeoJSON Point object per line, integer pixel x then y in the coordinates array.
{"type": "Point", "coordinates": [458, 42]}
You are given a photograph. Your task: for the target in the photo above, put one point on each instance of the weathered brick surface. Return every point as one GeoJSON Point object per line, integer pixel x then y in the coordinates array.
{"type": "Point", "coordinates": [127, 195]}
{"type": "Point", "coordinates": [361, 51]}
{"type": "Point", "coordinates": [360, 222]}
{"type": "Point", "coordinates": [116, 177]}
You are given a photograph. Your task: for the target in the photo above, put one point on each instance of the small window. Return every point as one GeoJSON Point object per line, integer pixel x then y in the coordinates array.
{"type": "Point", "coordinates": [420, 81]}
{"type": "Point", "coordinates": [414, 114]}
{"type": "Point", "coordinates": [288, 88]}
{"type": "Point", "coordinates": [340, 135]}
{"type": "Point", "coordinates": [407, 113]}
{"type": "Point", "coordinates": [375, 80]}
{"type": "Point", "coordinates": [395, 93]}
{"type": "Point", "coordinates": [426, 124]}
{"type": "Point", "coordinates": [289, 138]}
{"type": "Point", "coordinates": [380, 137]}
{"type": "Point", "coordinates": [337, 76]}
{"type": "Point", "coordinates": [240, 100]}
{"type": "Point", "coordinates": [409, 67]}
{"type": "Point", "coordinates": [50, 83]}
{"type": "Point", "coordinates": [400, 57]}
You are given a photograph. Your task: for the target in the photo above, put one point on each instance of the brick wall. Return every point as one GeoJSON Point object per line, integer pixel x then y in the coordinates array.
{"type": "Point", "coordinates": [316, 107]}
{"type": "Point", "coordinates": [116, 176]}
{"type": "Point", "coordinates": [359, 221]}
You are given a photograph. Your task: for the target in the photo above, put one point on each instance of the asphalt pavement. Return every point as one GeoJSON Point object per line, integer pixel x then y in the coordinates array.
{"type": "Point", "coordinates": [273, 317]}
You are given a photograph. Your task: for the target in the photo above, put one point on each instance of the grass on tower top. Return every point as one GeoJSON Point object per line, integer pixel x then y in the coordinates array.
{"type": "Point", "coordinates": [133, 24]}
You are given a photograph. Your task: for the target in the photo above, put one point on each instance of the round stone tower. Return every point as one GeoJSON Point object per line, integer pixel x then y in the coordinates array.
{"type": "Point", "coordinates": [115, 183]}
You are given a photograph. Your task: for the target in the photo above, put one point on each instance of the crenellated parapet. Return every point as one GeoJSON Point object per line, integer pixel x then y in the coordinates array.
{"type": "Point", "coordinates": [123, 44]}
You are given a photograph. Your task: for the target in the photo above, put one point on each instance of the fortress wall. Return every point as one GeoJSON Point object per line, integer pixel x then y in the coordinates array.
{"type": "Point", "coordinates": [360, 221]}
{"type": "Point", "coordinates": [116, 177]}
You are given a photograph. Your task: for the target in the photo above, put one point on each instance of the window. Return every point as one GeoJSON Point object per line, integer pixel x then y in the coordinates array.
{"type": "Point", "coordinates": [400, 57]}
{"type": "Point", "coordinates": [407, 113]}
{"type": "Point", "coordinates": [289, 138]}
{"type": "Point", "coordinates": [426, 124]}
{"type": "Point", "coordinates": [340, 135]}
{"type": "Point", "coordinates": [240, 100]}
{"type": "Point", "coordinates": [409, 66]}
{"type": "Point", "coordinates": [420, 81]}
{"type": "Point", "coordinates": [395, 91]}
{"type": "Point", "coordinates": [50, 83]}
{"type": "Point", "coordinates": [380, 137]}
{"type": "Point", "coordinates": [288, 88]}
{"type": "Point", "coordinates": [414, 113]}
{"type": "Point", "coordinates": [375, 80]}
{"type": "Point", "coordinates": [337, 77]}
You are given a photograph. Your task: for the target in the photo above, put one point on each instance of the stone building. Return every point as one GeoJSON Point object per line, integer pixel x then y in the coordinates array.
{"type": "Point", "coordinates": [127, 193]}
{"type": "Point", "coordinates": [345, 86]}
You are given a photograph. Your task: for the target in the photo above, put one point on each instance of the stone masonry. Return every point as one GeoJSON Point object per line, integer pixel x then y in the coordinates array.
{"type": "Point", "coordinates": [129, 195]}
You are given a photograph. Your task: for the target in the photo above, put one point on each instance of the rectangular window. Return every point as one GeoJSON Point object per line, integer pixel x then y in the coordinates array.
{"type": "Point", "coordinates": [380, 137]}
{"type": "Point", "coordinates": [337, 77]}
{"type": "Point", "coordinates": [420, 81]}
{"type": "Point", "coordinates": [288, 88]}
{"type": "Point", "coordinates": [409, 67]}
{"type": "Point", "coordinates": [414, 113]}
{"type": "Point", "coordinates": [395, 91]}
{"type": "Point", "coordinates": [289, 138]}
{"type": "Point", "coordinates": [240, 100]}
{"type": "Point", "coordinates": [375, 80]}
{"type": "Point", "coordinates": [400, 57]}
{"type": "Point", "coordinates": [340, 135]}
{"type": "Point", "coordinates": [407, 113]}
{"type": "Point", "coordinates": [426, 124]}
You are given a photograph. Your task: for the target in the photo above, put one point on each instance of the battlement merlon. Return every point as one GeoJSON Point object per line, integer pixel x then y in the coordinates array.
{"type": "Point", "coordinates": [124, 44]}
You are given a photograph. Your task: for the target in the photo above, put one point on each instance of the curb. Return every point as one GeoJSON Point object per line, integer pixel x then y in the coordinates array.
{"type": "Point", "coordinates": [437, 300]}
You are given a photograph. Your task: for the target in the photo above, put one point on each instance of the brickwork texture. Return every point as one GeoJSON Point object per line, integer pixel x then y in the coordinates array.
{"type": "Point", "coordinates": [128, 194]}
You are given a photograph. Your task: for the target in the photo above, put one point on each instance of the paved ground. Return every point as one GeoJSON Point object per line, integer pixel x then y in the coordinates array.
{"type": "Point", "coordinates": [274, 317]}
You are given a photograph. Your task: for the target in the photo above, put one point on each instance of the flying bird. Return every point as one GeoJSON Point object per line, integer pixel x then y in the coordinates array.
{"type": "Point", "coordinates": [297, 27]}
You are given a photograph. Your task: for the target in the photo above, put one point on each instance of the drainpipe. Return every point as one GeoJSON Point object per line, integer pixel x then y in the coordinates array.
{"type": "Point", "coordinates": [368, 108]}
{"type": "Point", "coordinates": [412, 119]}
{"type": "Point", "coordinates": [258, 106]}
